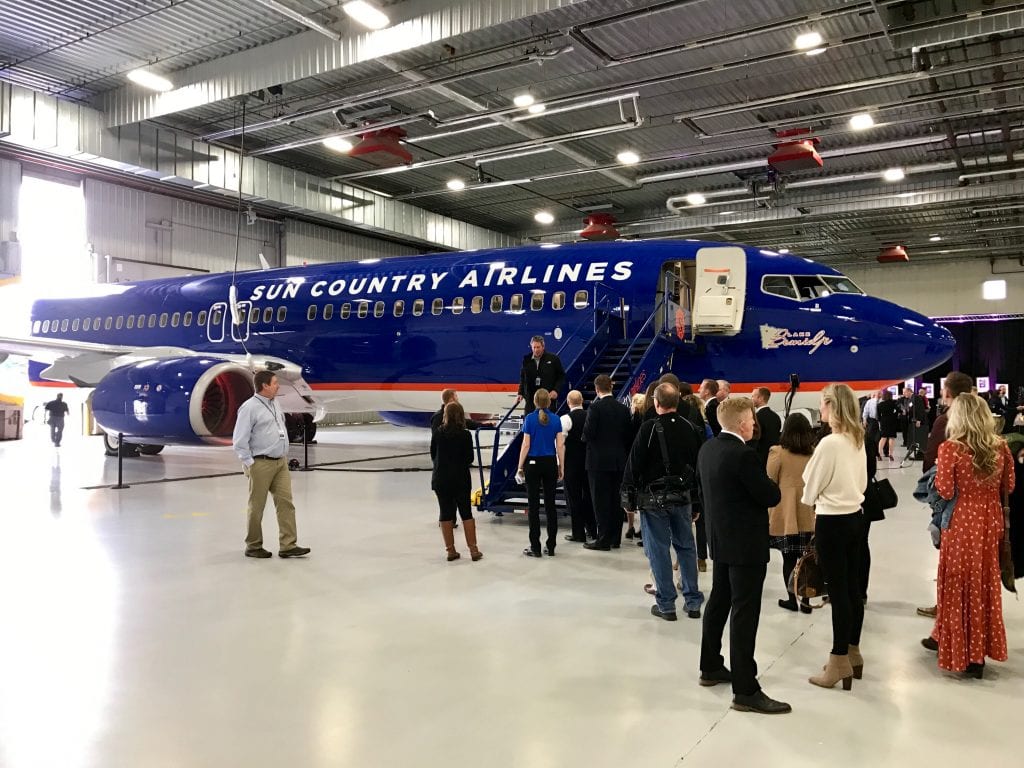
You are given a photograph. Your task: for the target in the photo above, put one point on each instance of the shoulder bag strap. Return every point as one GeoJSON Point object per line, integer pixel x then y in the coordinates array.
{"type": "Point", "coordinates": [660, 429]}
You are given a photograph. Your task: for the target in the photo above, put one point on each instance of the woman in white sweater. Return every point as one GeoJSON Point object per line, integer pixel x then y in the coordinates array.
{"type": "Point", "coordinates": [834, 483]}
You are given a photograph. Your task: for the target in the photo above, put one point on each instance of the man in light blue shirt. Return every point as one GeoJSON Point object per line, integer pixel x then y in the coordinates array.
{"type": "Point", "coordinates": [261, 442]}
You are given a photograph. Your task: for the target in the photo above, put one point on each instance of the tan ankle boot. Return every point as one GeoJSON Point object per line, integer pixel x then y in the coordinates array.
{"type": "Point", "coordinates": [469, 526]}
{"type": "Point", "coordinates": [448, 534]}
{"type": "Point", "coordinates": [838, 668]}
{"type": "Point", "coordinates": [856, 661]}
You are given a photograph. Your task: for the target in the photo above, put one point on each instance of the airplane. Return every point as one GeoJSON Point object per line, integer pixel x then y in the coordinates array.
{"type": "Point", "coordinates": [170, 360]}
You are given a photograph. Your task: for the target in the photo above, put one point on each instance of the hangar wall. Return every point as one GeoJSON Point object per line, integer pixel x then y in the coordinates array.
{"type": "Point", "coordinates": [313, 244]}
{"type": "Point", "coordinates": [941, 289]}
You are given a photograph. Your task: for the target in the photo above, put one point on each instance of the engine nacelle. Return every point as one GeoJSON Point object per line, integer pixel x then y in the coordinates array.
{"type": "Point", "coordinates": [173, 400]}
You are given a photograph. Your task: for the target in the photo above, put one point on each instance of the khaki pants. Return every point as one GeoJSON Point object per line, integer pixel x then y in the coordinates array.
{"type": "Point", "coordinates": [270, 476]}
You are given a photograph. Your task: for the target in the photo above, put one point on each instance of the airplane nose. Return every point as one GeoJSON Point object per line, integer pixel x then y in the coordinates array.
{"type": "Point", "coordinates": [937, 343]}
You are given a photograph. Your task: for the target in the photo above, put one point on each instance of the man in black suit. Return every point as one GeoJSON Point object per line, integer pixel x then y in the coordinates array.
{"type": "Point", "coordinates": [737, 493]}
{"type": "Point", "coordinates": [540, 370]}
{"type": "Point", "coordinates": [577, 487]}
{"type": "Point", "coordinates": [708, 393]}
{"type": "Point", "coordinates": [607, 432]}
{"type": "Point", "coordinates": [769, 423]}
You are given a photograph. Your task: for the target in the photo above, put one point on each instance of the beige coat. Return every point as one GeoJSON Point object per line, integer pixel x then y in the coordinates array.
{"type": "Point", "coordinates": [791, 516]}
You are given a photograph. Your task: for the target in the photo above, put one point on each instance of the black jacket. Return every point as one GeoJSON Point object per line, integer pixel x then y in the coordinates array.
{"type": "Point", "coordinates": [549, 371]}
{"type": "Point", "coordinates": [711, 416]}
{"type": "Point", "coordinates": [606, 432]}
{"type": "Point", "coordinates": [452, 454]}
{"type": "Point", "coordinates": [575, 448]}
{"type": "Point", "coordinates": [737, 493]}
{"type": "Point", "coordinates": [645, 462]}
{"type": "Point", "coordinates": [770, 427]}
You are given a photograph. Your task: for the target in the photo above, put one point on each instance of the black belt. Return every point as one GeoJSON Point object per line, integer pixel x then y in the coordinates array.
{"type": "Point", "coordinates": [268, 458]}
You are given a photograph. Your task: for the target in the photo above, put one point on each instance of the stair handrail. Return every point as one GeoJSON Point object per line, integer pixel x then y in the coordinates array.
{"type": "Point", "coordinates": [494, 447]}
{"type": "Point", "coordinates": [636, 338]}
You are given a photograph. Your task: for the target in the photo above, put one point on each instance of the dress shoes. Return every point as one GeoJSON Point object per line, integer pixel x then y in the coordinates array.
{"type": "Point", "coordinates": [259, 552]}
{"type": "Point", "coordinates": [930, 644]}
{"type": "Point", "coordinates": [694, 614]}
{"type": "Point", "coordinates": [929, 612]}
{"type": "Point", "coordinates": [530, 553]}
{"type": "Point", "coordinates": [715, 677]}
{"type": "Point", "coordinates": [599, 547]}
{"type": "Point", "coordinates": [759, 702]}
{"type": "Point", "coordinates": [976, 671]}
{"type": "Point", "coordinates": [666, 615]}
{"type": "Point", "coordinates": [570, 537]}
{"type": "Point", "coordinates": [294, 552]}
{"type": "Point", "coordinates": [549, 551]}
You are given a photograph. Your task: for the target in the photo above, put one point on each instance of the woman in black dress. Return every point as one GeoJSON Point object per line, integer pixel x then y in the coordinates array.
{"type": "Point", "coordinates": [888, 424]}
{"type": "Point", "coordinates": [451, 449]}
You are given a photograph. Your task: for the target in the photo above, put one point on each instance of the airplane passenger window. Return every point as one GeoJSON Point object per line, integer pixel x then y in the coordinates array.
{"type": "Point", "coordinates": [163, 319]}
{"type": "Point", "coordinates": [282, 313]}
{"type": "Point", "coordinates": [515, 304]}
{"type": "Point", "coordinates": [142, 321]}
{"type": "Point", "coordinates": [364, 309]}
{"type": "Point", "coordinates": [477, 305]}
{"type": "Point", "coordinates": [311, 312]}
{"type": "Point", "coordinates": [151, 322]}
{"type": "Point", "coordinates": [108, 324]}
{"type": "Point", "coordinates": [86, 324]}
{"type": "Point", "coordinates": [328, 311]}
{"type": "Point", "coordinates": [46, 326]}
{"type": "Point", "coordinates": [187, 321]}
{"type": "Point", "coordinates": [254, 317]}
{"type": "Point", "coordinates": [131, 322]}
{"type": "Point", "coordinates": [36, 326]}
{"type": "Point", "coordinates": [778, 285]}
{"type": "Point", "coordinates": [216, 317]}
{"type": "Point", "coordinates": [458, 304]}
{"type": "Point", "coordinates": [580, 300]}
{"type": "Point", "coordinates": [496, 302]}
{"type": "Point", "coordinates": [346, 310]}
{"type": "Point", "coordinates": [74, 324]}
{"type": "Point", "coordinates": [200, 320]}
{"type": "Point", "coordinates": [399, 309]}
{"type": "Point", "coordinates": [417, 307]}
{"type": "Point", "coordinates": [95, 323]}
{"type": "Point", "coordinates": [558, 300]}
{"type": "Point", "coordinates": [810, 287]}
{"type": "Point", "coordinates": [537, 301]}
{"type": "Point", "coordinates": [64, 326]}
{"type": "Point", "coordinates": [437, 306]}
{"type": "Point", "coordinates": [119, 322]}
{"type": "Point", "coordinates": [841, 285]}
{"type": "Point", "coordinates": [378, 309]}
{"type": "Point", "coordinates": [268, 316]}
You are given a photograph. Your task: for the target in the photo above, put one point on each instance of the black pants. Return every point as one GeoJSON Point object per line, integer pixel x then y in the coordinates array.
{"type": "Point", "coordinates": [56, 431]}
{"type": "Point", "coordinates": [864, 562]}
{"type": "Point", "coordinates": [604, 492]}
{"type": "Point", "coordinates": [542, 471]}
{"type": "Point", "coordinates": [577, 494]}
{"type": "Point", "coordinates": [736, 598]}
{"type": "Point", "coordinates": [702, 536]}
{"type": "Point", "coordinates": [838, 540]}
{"type": "Point", "coordinates": [788, 564]}
{"type": "Point", "coordinates": [451, 499]}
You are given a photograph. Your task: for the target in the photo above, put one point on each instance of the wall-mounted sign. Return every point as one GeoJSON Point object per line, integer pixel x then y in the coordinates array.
{"type": "Point", "coordinates": [983, 385]}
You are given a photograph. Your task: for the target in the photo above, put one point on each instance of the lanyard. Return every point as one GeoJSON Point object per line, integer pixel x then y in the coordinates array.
{"type": "Point", "coordinates": [273, 412]}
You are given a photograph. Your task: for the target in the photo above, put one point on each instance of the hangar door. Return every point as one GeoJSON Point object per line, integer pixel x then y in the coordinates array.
{"type": "Point", "coordinates": [721, 290]}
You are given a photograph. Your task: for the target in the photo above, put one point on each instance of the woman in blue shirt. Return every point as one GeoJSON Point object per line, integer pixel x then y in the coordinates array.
{"type": "Point", "coordinates": [541, 460]}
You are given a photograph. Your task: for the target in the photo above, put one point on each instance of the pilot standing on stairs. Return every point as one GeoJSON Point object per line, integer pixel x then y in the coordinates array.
{"type": "Point", "coordinates": [540, 370]}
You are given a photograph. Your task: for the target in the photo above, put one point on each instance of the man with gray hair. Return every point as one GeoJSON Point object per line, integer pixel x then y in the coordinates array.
{"type": "Point", "coordinates": [577, 487]}
{"type": "Point", "coordinates": [540, 369]}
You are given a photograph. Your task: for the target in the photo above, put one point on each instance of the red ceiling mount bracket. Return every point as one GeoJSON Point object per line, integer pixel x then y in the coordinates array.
{"type": "Point", "coordinates": [382, 148]}
{"type": "Point", "coordinates": [893, 254]}
{"type": "Point", "coordinates": [599, 227]}
{"type": "Point", "coordinates": [797, 154]}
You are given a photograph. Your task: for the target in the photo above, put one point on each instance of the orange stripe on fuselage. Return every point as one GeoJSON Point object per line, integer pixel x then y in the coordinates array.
{"type": "Point", "coordinates": [744, 388]}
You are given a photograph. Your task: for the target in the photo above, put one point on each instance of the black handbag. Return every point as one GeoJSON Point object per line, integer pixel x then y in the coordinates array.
{"type": "Point", "coordinates": [878, 497]}
{"type": "Point", "coordinates": [886, 493]}
{"type": "Point", "coordinates": [669, 490]}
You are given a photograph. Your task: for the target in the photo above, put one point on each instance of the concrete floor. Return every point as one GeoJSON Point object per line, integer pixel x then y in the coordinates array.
{"type": "Point", "coordinates": [135, 633]}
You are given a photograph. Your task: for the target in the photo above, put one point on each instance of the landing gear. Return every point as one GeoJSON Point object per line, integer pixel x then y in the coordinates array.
{"type": "Point", "coordinates": [150, 450]}
{"type": "Point", "coordinates": [294, 421]}
{"type": "Point", "coordinates": [128, 450]}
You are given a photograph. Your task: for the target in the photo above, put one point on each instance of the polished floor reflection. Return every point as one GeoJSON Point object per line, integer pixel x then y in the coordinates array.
{"type": "Point", "coordinates": [136, 634]}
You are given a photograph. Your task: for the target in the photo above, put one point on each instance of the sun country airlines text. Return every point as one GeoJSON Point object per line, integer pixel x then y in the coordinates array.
{"type": "Point", "coordinates": [494, 275]}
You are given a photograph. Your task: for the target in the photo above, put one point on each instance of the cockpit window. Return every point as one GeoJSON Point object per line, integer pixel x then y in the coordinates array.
{"type": "Point", "coordinates": [778, 285]}
{"type": "Point", "coordinates": [810, 287]}
{"type": "Point", "coordinates": [841, 284]}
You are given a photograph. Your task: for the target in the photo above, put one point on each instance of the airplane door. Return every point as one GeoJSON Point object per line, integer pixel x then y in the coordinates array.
{"type": "Point", "coordinates": [215, 323]}
{"type": "Point", "coordinates": [721, 290]}
{"type": "Point", "coordinates": [240, 331]}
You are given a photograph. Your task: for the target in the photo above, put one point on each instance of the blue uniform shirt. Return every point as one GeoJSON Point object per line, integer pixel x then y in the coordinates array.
{"type": "Point", "coordinates": [542, 438]}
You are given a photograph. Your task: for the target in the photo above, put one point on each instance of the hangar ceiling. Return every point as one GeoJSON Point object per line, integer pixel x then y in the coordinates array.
{"type": "Point", "coordinates": [698, 89]}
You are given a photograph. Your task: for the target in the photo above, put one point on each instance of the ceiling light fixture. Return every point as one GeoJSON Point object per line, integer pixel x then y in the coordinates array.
{"type": "Point", "coordinates": [523, 100]}
{"type": "Point", "coordinates": [727, 213]}
{"type": "Point", "coordinates": [808, 40]}
{"type": "Point", "coordinates": [628, 157]}
{"type": "Point", "coordinates": [148, 79]}
{"type": "Point", "coordinates": [456, 184]}
{"type": "Point", "coordinates": [815, 51]}
{"type": "Point", "coordinates": [338, 144]}
{"type": "Point", "coordinates": [894, 174]}
{"type": "Point", "coordinates": [543, 217]}
{"type": "Point", "coordinates": [366, 14]}
{"type": "Point", "coordinates": [783, 250]}
{"type": "Point", "coordinates": [861, 121]}
{"type": "Point", "coordinates": [536, 109]}
{"type": "Point", "coordinates": [696, 198]}
{"type": "Point", "coordinates": [934, 239]}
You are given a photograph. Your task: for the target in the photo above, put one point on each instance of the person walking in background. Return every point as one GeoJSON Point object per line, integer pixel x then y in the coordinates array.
{"type": "Point", "coordinates": [541, 370]}
{"type": "Point", "coordinates": [56, 410]}
{"type": "Point", "coordinates": [606, 432]}
{"type": "Point", "coordinates": [888, 426]}
{"type": "Point", "coordinates": [976, 468]}
{"type": "Point", "coordinates": [791, 522]}
{"type": "Point", "coordinates": [542, 462]}
{"type": "Point", "coordinates": [451, 450]}
{"type": "Point", "coordinates": [260, 440]}
{"type": "Point", "coordinates": [834, 483]}
{"type": "Point", "coordinates": [577, 487]}
{"type": "Point", "coordinates": [737, 495]}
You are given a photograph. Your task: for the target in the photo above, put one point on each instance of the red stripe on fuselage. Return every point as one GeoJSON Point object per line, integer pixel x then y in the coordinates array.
{"type": "Point", "coordinates": [737, 388]}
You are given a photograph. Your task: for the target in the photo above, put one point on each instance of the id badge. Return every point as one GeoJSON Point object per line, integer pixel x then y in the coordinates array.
{"type": "Point", "coordinates": [536, 381]}
{"type": "Point", "coordinates": [281, 434]}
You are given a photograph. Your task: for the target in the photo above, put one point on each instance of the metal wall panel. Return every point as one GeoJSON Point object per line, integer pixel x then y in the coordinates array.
{"type": "Point", "coordinates": [10, 185]}
{"type": "Point", "coordinates": [307, 243]}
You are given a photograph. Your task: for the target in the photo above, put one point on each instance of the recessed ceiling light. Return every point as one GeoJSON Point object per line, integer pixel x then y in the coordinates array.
{"type": "Point", "coordinates": [934, 239]}
{"type": "Point", "coordinates": [543, 217]}
{"type": "Point", "coordinates": [905, 195]}
{"type": "Point", "coordinates": [148, 79]}
{"type": "Point", "coordinates": [862, 121]}
{"type": "Point", "coordinates": [366, 14]}
{"type": "Point", "coordinates": [523, 100]}
{"type": "Point", "coordinates": [696, 198]}
{"type": "Point", "coordinates": [338, 144]}
{"type": "Point", "coordinates": [727, 213]}
{"type": "Point", "coordinates": [456, 184]}
{"type": "Point", "coordinates": [628, 157]}
{"type": "Point", "coordinates": [808, 40]}
{"type": "Point", "coordinates": [893, 174]}
{"type": "Point", "coordinates": [783, 250]}
{"type": "Point", "coordinates": [536, 109]}
{"type": "Point", "coordinates": [815, 51]}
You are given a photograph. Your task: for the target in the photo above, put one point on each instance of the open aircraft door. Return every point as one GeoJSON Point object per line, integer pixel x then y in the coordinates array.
{"type": "Point", "coordinates": [721, 291]}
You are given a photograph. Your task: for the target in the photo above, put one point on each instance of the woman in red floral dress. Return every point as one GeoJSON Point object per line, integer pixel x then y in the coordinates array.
{"type": "Point", "coordinates": [975, 465]}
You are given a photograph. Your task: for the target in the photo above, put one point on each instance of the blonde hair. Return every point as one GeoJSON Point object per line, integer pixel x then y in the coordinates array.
{"type": "Point", "coordinates": [844, 415]}
{"type": "Point", "coordinates": [971, 425]}
{"type": "Point", "coordinates": [698, 405]}
{"type": "Point", "coordinates": [639, 402]}
{"type": "Point", "coordinates": [542, 401]}
{"type": "Point", "coordinates": [730, 411]}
